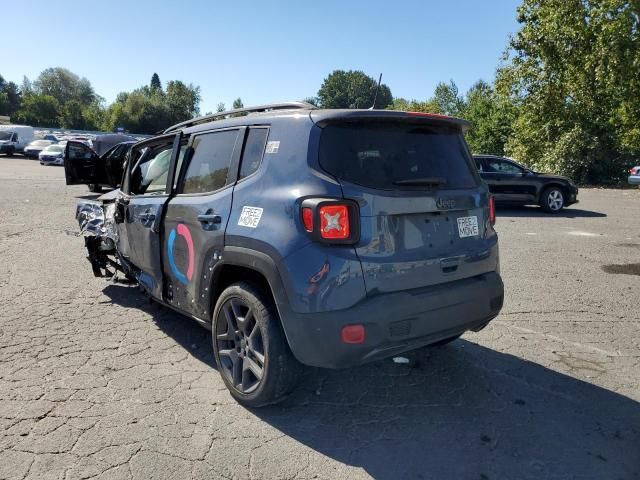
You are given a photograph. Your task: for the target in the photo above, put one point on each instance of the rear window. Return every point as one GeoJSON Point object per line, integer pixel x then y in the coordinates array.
{"type": "Point", "coordinates": [379, 155]}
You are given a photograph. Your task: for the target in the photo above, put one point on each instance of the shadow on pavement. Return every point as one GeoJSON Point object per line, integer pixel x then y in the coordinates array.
{"type": "Point", "coordinates": [569, 212]}
{"type": "Point", "coordinates": [459, 411]}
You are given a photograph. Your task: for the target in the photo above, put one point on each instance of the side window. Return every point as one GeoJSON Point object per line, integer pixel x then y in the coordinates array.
{"type": "Point", "coordinates": [478, 164]}
{"type": "Point", "coordinates": [253, 151]}
{"type": "Point", "coordinates": [208, 167]}
{"type": "Point", "coordinates": [500, 166]}
{"type": "Point", "coordinates": [149, 176]}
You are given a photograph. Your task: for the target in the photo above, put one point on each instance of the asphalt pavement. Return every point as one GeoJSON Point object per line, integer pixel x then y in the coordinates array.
{"type": "Point", "coordinates": [96, 382]}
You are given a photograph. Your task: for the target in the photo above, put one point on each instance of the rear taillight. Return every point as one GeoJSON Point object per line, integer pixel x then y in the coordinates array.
{"type": "Point", "coordinates": [307, 219]}
{"type": "Point", "coordinates": [334, 222]}
{"type": "Point", "coordinates": [331, 220]}
{"type": "Point", "coordinates": [634, 170]}
{"type": "Point", "coordinates": [492, 211]}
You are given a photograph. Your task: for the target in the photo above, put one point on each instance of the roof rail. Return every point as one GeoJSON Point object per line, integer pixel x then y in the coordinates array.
{"type": "Point", "coordinates": [240, 112]}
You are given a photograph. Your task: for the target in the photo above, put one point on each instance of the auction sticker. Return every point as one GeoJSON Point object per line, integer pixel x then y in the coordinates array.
{"type": "Point", "coordinates": [250, 217]}
{"type": "Point", "coordinates": [273, 146]}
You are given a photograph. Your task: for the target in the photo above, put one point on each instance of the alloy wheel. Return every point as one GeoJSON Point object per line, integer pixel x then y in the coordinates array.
{"type": "Point", "coordinates": [555, 200]}
{"type": "Point", "coordinates": [240, 345]}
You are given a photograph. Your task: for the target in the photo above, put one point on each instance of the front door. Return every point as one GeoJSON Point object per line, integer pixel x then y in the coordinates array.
{"type": "Point", "coordinates": [506, 180]}
{"type": "Point", "coordinates": [196, 218]}
{"type": "Point", "coordinates": [147, 191]}
{"type": "Point", "coordinates": [81, 164]}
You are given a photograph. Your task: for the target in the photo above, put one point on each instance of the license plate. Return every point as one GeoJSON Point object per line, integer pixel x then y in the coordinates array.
{"type": "Point", "coordinates": [468, 226]}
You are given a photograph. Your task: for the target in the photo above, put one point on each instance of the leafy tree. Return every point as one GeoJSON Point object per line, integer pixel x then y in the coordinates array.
{"type": "Point", "coordinates": [182, 100]}
{"type": "Point", "coordinates": [237, 103]}
{"type": "Point", "coordinates": [64, 86]}
{"type": "Point", "coordinates": [10, 97]}
{"type": "Point", "coordinates": [574, 70]}
{"type": "Point", "coordinates": [220, 107]}
{"type": "Point", "coordinates": [352, 89]}
{"type": "Point", "coordinates": [491, 116]}
{"type": "Point", "coordinates": [427, 106]}
{"type": "Point", "coordinates": [38, 110]}
{"type": "Point", "coordinates": [448, 99]}
{"type": "Point", "coordinates": [312, 100]}
{"type": "Point", "coordinates": [155, 82]}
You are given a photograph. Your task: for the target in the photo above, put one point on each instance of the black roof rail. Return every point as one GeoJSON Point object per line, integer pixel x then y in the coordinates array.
{"type": "Point", "coordinates": [241, 111]}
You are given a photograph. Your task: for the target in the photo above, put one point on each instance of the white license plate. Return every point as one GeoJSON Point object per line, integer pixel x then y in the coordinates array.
{"type": "Point", "coordinates": [468, 226]}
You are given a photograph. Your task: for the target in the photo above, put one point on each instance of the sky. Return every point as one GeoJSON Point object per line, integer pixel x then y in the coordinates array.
{"type": "Point", "coordinates": [261, 51]}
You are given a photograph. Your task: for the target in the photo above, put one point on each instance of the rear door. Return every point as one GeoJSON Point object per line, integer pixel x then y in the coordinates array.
{"type": "Point", "coordinates": [82, 164]}
{"type": "Point", "coordinates": [507, 181]}
{"type": "Point", "coordinates": [197, 215]}
{"type": "Point", "coordinates": [147, 191]}
{"type": "Point", "coordinates": [424, 215]}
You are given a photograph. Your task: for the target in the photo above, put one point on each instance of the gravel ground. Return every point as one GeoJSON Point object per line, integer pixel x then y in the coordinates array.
{"type": "Point", "coordinates": [97, 382]}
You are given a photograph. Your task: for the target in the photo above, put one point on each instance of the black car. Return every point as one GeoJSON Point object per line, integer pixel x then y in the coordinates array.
{"type": "Point", "coordinates": [511, 183]}
{"type": "Point", "coordinates": [300, 235]}
{"type": "Point", "coordinates": [97, 171]}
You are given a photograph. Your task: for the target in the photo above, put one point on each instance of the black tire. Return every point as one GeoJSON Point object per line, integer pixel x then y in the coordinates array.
{"type": "Point", "coordinates": [552, 199]}
{"type": "Point", "coordinates": [10, 152]}
{"type": "Point", "coordinates": [257, 344]}
{"type": "Point", "coordinates": [445, 341]}
{"type": "Point", "coordinates": [95, 188]}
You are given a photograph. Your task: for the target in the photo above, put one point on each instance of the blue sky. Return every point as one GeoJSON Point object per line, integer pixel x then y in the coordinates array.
{"type": "Point", "coordinates": [261, 51]}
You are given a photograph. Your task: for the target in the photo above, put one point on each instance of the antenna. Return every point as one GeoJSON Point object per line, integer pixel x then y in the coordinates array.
{"type": "Point", "coordinates": [376, 95]}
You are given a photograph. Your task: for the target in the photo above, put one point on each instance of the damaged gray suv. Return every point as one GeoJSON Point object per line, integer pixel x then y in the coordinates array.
{"type": "Point", "coordinates": [299, 235]}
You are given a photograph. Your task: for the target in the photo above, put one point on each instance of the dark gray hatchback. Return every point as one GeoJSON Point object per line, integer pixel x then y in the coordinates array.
{"type": "Point", "coordinates": [323, 237]}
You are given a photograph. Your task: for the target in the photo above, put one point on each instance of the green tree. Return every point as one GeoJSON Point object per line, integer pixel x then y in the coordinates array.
{"type": "Point", "coordinates": [574, 70]}
{"type": "Point", "coordinates": [38, 111]}
{"type": "Point", "coordinates": [183, 101]}
{"type": "Point", "coordinates": [352, 89]}
{"type": "Point", "coordinates": [10, 97]}
{"type": "Point", "coordinates": [491, 116]}
{"type": "Point", "coordinates": [237, 103]}
{"type": "Point", "coordinates": [155, 82]}
{"type": "Point", "coordinates": [64, 86]}
{"type": "Point", "coordinates": [448, 99]}
{"type": "Point", "coordinates": [220, 107]}
{"type": "Point", "coordinates": [404, 105]}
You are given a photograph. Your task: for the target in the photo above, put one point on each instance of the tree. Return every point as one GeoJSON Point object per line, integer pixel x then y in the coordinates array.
{"type": "Point", "coordinates": [352, 89]}
{"type": "Point", "coordinates": [182, 100]}
{"type": "Point", "coordinates": [155, 82]}
{"type": "Point", "coordinates": [312, 100]}
{"type": "Point", "coordinates": [448, 99]}
{"type": "Point", "coordinates": [574, 70]}
{"type": "Point", "coordinates": [10, 97]}
{"type": "Point", "coordinates": [64, 86]}
{"type": "Point", "coordinates": [38, 111]}
{"type": "Point", "coordinates": [404, 105]}
{"type": "Point", "coordinates": [237, 103]}
{"type": "Point", "coordinates": [220, 107]}
{"type": "Point", "coordinates": [491, 116]}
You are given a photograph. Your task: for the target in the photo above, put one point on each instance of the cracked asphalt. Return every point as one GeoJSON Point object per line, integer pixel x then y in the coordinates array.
{"type": "Point", "coordinates": [95, 382]}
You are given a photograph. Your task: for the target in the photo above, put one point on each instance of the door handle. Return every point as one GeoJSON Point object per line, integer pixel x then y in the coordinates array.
{"type": "Point", "coordinates": [209, 219]}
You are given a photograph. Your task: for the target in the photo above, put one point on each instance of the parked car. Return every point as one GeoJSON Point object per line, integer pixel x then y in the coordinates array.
{"type": "Point", "coordinates": [52, 155]}
{"type": "Point", "coordinates": [514, 184]}
{"type": "Point", "coordinates": [96, 171]}
{"type": "Point", "coordinates": [34, 148]}
{"type": "Point", "coordinates": [329, 238]}
{"type": "Point", "coordinates": [102, 143]}
{"type": "Point", "coordinates": [50, 136]}
{"type": "Point", "coordinates": [634, 176]}
{"type": "Point", "coordinates": [14, 138]}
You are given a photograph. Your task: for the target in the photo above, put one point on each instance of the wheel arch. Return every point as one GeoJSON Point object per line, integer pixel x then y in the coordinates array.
{"type": "Point", "coordinates": [547, 186]}
{"type": "Point", "coordinates": [257, 268]}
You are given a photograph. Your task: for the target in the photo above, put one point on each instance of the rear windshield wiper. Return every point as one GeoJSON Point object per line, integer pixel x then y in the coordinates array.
{"type": "Point", "coordinates": [427, 181]}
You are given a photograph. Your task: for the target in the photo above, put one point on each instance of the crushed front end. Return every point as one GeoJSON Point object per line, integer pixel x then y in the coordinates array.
{"type": "Point", "coordinates": [98, 227]}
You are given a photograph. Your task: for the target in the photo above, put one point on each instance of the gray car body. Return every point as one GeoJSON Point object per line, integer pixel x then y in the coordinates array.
{"type": "Point", "coordinates": [406, 298]}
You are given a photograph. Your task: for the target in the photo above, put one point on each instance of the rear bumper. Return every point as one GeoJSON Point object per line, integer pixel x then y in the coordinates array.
{"type": "Point", "coordinates": [394, 322]}
{"type": "Point", "coordinates": [634, 179]}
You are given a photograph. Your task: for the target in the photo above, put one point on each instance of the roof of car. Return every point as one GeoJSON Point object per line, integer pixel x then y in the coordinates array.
{"type": "Point", "coordinates": [320, 116]}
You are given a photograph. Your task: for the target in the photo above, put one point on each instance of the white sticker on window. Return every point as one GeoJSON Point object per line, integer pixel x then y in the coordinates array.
{"type": "Point", "coordinates": [250, 217]}
{"type": "Point", "coordinates": [273, 146]}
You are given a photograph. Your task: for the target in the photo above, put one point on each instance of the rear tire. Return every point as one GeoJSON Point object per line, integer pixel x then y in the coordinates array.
{"type": "Point", "coordinates": [250, 348]}
{"type": "Point", "coordinates": [552, 199]}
